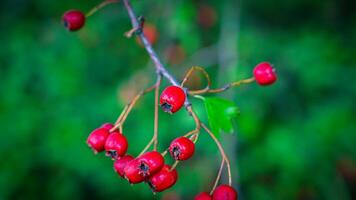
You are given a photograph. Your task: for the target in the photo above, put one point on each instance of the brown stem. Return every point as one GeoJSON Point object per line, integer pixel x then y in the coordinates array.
{"type": "Point", "coordinates": [218, 176]}
{"type": "Point", "coordinates": [222, 152]}
{"type": "Point", "coordinates": [227, 86]}
{"type": "Point", "coordinates": [99, 6]}
{"type": "Point", "coordinates": [155, 131]}
{"type": "Point", "coordinates": [122, 118]}
{"type": "Point", "coordinates": [189, 73]}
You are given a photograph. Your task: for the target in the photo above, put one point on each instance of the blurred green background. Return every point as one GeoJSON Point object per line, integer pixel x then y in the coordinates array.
{"type": "Point", "coordinates": [293, 140]}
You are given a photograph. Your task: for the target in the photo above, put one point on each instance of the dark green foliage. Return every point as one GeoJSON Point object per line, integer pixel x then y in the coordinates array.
{"type": "Point", "coordinates": [294, 139]}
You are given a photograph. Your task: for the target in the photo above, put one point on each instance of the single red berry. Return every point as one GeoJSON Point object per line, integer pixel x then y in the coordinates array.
{"type": "Point", "coordinates": [116, 145]}
{"type": "Point", "coordinates": [172, 99]}
{"type": "Point", "coordinates": [132, 172]}
{"type": "Point", "coordinates": [107, 126]}
{"type": "Point", "coordinates": [163, 179]}
{"type": "Point", "coordinates": [203, 196]}
{"type": "Point", "coordinates": [264, 74]}
{"type": "Point", "coordinates": [73, 20]}
{"type": "Point", "coordinates": [120, 164]}
{"type": "Point", "coordinates": [150, 163]}
{"type": "Point", "coordinates": [182, 148]}
{"type": "Point", "coordinates": [96, 140]}
{"type": "Point", "coordinates": [224, 192]}
{"type": "Point", "coordinates": [144, 166]}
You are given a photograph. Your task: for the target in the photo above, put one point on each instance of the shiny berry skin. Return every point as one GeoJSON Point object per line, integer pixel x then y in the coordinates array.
{"type": "Point", "coordinates": [182, 148]}
{"type": "Point", "coordinates": [116, 145]}
{"type": "Point", "coordinates": [224, 192]}
{"type": "Point", "coordinates": [120, 164]}
{"type": "Point", "coordinates": [163, 179]}
{"type": "Point", "coordinates": [203, 196]}
{"type": "Point", "coordinates": [107, 126]}
{"type": "Point", "coordinates": [144, 166]}
{"type": "Point", "coordinates": [132, 172]}
{"type": "Point", "coordinates": [172, 99]}
{"type": "Point", "coordinates": [96, 140]}
{"type": "Point", "coordinates": [73, 20]}
{"type": "Point", "coordinates": [264, 74]}
{"type": "Point", "coordinates": [150, 163]}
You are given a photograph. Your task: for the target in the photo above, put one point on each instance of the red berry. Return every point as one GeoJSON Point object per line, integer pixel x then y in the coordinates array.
{"type": "Point", "coordinates": [264, 74]}
{"type": "Point", "coordinates": [182, 148]}
{"type": "Point", "coordinates": [96, 140]}
{"type": "Point", "coordinates": [73, 20]}
{"type": "Point", "coordinates": [172, 99]}
{"type": "Point", "coordinates": [150, 163]}
{"type": "Point", "coordinates": [132, 172]}
{"type": "Point", "coordinates": [224, 192]}
{"type": "Point", "coordinates": [144, 166]}
{"type": "Point", "coordinates": [116, 145]}
{"type": "Point", "coordinates": [120, 164]}
{"type": "Point", "coordinates": [107, 126]}
{"type": "Point", "coordinates": [163, 179]}
{"type": "Point", "coordinates": [203, 196]}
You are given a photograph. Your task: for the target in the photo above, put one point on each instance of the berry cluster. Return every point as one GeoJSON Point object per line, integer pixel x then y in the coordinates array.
{"type": "Point", "coordinates": [150, 166]}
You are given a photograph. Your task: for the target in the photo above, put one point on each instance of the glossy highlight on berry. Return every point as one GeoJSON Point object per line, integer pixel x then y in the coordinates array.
{"type": "Point", "coordinates": [172, 99]}
{"type": "Point", "coordinates": [73, 20]}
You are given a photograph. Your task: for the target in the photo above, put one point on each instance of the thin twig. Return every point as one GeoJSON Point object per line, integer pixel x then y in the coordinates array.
{"type": "Point", "coordinates": [222, 152]}
{"type": "Point", "coordinates": [99, 6]}
{"type": "Point", "coordinates": [155, 131]}
{"type": "Point", "coordinates": [218, 176]}
{"type": "Point", "coordinates": [122, 118]}
{"type": "Point", "coordinates": [222, 89]}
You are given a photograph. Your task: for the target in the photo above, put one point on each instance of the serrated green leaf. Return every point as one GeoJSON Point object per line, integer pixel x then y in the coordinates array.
{"type": "Point", "coordinates": [221, 113]}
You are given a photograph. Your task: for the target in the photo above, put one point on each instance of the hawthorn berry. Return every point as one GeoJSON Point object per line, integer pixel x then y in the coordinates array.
{"type": "Point", "coordinates": [97, 138]}
{"type": "Point", "coordinates": [264, 74]}
{"type": "Point", "coordinates": [163, 179]}
{"type": "Point", "coordinates": [224, 192]}
{"type": "Point", "coordinates": [107, 126]}
{"type": "Point", "coordinates": [116, 145]}
{"type": "Point", "coordinates": [132, 172]}
{"type": "Point", "coordinates": [203, 196]}
{"type": "Point", "coordinates": [73, 20]}
{"type": "Point", "coordinates": [182, 148]}
{"type": "Point", "coordinates": [144, 166]}
{"type": "Point", "coordinates": [120, 164]}
{"type": "Point", "coordinates": [172, 99]}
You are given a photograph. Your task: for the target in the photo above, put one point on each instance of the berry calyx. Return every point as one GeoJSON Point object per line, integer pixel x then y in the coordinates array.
{"type": "Point", "coordinates": [120, 164]}
{"type": "Point", "coordinates": [172, 99]}
{"type": "Point", "coordinates": [203, 196]}
{"type": "Point", "coordinates": [182, 148]}
{"type": "Point", "coordinates": [116, 145]}
{"type": "Point", "coordinates": [132, 172]}
{"type": "Point", "coordinates": [264, 73]}
{"type": "Point", "coordinates": [144, 166]}
{"type": "Point", "coordinates": [97, 138]}
{"type": "Point", "coordinates": [73, 20]}
{"type": "Point", "coordinates": [163, 179]}
{"type": "Point", "coordinates": [224, 192]}
{"type": "Point", "coordinates": [150, 163]}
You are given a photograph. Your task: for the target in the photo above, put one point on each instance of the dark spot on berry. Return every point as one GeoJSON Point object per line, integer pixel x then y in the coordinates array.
{"type": "Point", "coordinates": [112, 154]}
{"type": "Point", "coordinates": [176, 153]}
{"type": "Point", "coordinates": [65, 23]}
{"type": "Point", "coordinates": [166, 107]}
{"type": "Point", "coordinates": [144, 169]}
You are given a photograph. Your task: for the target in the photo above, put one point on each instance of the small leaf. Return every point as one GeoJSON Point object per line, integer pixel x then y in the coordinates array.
{"type": "Point", "coordinates": [221, 113]}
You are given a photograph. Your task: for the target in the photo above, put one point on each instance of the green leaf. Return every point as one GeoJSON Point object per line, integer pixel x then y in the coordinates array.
{"type": "Point", "coordinates": [221, 113]}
